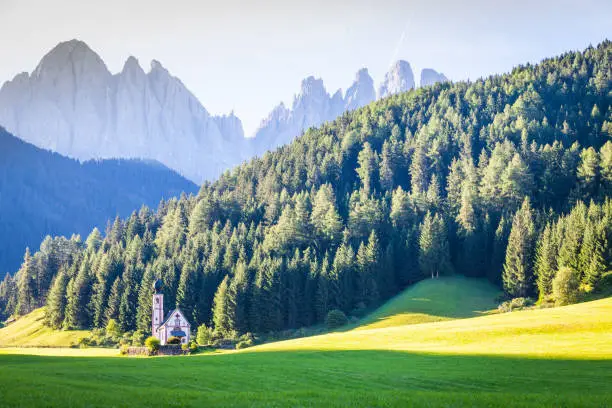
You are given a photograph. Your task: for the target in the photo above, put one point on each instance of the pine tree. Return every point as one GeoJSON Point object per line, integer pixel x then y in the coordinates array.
{"type": "Point", "coordinates": [129, 298]}
{"type": "Point", "coordinates": [56, 301]}
{"type": "Point", "coordinates": [114, 301]}
{"type": "Point", "coordinates": [588, 172]}
{"type": "Point", "coordinates": [223, 309]}
{"type": "Point", "coordinates": [546, 262]}
{"type": "Point", "coordinates": [26, 285]}
{"type": "Point", "coordinates": [145, 296]}
{"type": "Point", "coordinates": [239, 290]}
{"type": "Point", "coordinates": [368, 167]}
{"type": "Point", "coordinates": [77, 314]}
{"type": "Point", "coordinates": [518, 267]}
{"type": "Point", "coordinates": [187, 295]}
{"type": "Point", "coordinates": [434, 256]}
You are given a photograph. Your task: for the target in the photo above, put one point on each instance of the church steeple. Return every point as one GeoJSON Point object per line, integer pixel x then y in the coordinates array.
{"type": "Point", "coordinates": [157, 317]}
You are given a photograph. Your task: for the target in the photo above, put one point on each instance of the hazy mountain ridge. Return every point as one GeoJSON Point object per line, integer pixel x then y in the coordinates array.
{"type": "Point", "coordinates": [43, 193]}
{"type": "Point", "coordinates": [72, 104]}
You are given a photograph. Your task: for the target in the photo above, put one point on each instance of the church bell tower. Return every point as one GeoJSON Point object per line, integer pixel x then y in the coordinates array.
{"type": "Point", "coordinates": [157, 317]}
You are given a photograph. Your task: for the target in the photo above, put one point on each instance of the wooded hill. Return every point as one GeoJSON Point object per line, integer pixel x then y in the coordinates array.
{"type": "Point", "coordinates": [43, 193]}
{"type": "Point", "coordinates": [506, 177]}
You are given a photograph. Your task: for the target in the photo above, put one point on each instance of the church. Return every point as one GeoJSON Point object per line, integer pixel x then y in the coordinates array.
{"type": "Point", "coordinates": [173, 325]}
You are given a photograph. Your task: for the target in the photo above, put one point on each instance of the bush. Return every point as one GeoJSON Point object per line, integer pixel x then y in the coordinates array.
{"type": "Point", "coordinates": [173, 340]}
{"type": "Point", "coordinates": [515, 304]}
{"type": "Point", "coordinates": [565, 286]}
{"type": "Point", "coordinates": [138, 338]}
{"type": "Point", "coordinates": [83, 342]}
{"type": "Point", "coordinates": [193, 346]}
{"type": "Point", "coordinates": [185, 347]}
{"type": "Point", "coordinates": [123, 350]}
{"type": "Point", "coordinates": [244, 344]}
{"type": "Point", "coordinates": [152, 343]}
{"type": "Point", "coordinates": [205, 335]}
{"type": "Point", "coordinates": [112, 329]}
{"type": "Point", "coordinates": [335, 318]}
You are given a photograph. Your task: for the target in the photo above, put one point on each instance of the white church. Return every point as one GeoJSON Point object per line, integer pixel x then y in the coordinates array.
{"type": "Point", "coordinates": [173, 325]}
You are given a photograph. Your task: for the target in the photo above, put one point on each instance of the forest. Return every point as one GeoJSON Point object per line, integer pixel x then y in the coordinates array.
{"type": "Point", "coordinates": [507, 177]}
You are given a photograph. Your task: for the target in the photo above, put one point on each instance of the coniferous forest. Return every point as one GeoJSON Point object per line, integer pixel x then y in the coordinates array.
{"type": "Point", "coordinates": [507, 178]}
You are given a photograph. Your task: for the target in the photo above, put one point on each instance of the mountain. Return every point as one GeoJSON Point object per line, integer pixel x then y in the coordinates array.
{"type": "Point", "coordinates": [431, 77]}
{"type": "Point", "coordinates": [399, 79]}
{"type": "Point", "coordinates": [506, 178]}
{"type": "Point", "coordinates": [73, 105]}
{"type": "Point", "coordinates": [312, 106]}
{"type": "Point", "coordinates": [43, 193]}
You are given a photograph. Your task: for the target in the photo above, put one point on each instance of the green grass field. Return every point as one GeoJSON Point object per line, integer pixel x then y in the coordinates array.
{"type": "Point", "coordinates": [435, 300]}
{"type": "Point", "coordinates": [548, 357]}
{"type": "Point", "coordinates": [29, 331]}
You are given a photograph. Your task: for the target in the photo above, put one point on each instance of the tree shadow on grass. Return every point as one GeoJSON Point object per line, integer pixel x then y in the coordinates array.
{"type": "Point", "coordinates": [309, 378]}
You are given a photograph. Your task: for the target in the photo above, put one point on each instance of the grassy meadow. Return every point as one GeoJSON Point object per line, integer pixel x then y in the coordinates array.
{"type": "Point", "coordinates": [547, 357]}
{"type": "Point", "coordinates": [29, 331]}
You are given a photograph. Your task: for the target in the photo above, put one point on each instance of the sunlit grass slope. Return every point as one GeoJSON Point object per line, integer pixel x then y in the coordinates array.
{"type": "Point", "coordinates": [577, 331]}
{"type": "Point", "coordinates": [435, 300]}
{"type": "Point", "coordinates": [539, 358]}
{"type": "Point", "coordinates": [29, 331]}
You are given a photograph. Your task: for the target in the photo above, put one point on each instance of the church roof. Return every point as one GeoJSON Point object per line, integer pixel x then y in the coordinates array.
{"type": "Point", "coordinates": [171, 314]}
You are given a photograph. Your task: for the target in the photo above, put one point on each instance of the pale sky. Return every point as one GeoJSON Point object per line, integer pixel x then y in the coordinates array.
{"type": "Point", "coordinates": [247, 56]}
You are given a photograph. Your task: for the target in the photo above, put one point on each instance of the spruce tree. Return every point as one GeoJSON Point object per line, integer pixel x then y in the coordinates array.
{"type": "Point", "coordinates": [518, 267]}
{"type": "Point", "coordinates": [26, 285]}
{"type": "Point", "coordinates": [546, 261]}
{"type": "Point", "coordinates": [223, 309]}
{"type": "Point", "coordinates": [56, 301]}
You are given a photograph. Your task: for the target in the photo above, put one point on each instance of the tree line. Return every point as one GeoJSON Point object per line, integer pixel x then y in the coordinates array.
{"type": "Point", "coordinates": [507, 178]}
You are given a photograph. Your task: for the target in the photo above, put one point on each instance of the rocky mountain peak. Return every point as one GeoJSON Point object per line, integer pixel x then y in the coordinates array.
{"type": "Point", "coordinates": [430, 77]}
{"type": "Point", "coordinates": [400, 78]}
{"type": "Point", "coordinates": [73, 54]}
{"type": "Point", "coordinates": [361, 92]}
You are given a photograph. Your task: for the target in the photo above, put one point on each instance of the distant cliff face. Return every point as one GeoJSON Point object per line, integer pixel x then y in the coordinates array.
{"type": "Point", "coordinates": [430, 77]}
{"type": "Point", "coordinates": [312, 106]}
{"type": "Point", "coordinates": [72, 104]}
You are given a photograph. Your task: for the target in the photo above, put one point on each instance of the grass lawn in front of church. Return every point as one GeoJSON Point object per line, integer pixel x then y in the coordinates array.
{"type": "Point", "coordinates": [549, 357]}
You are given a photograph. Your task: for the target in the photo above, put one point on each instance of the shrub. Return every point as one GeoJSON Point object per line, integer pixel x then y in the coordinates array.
{"type": "Point", "coordinates": [515, 304]}
{"type": "Point", "coordinates": [152, 343]}
{"type": "Point", "coordinates": [123, 350]}
{"type": "Point", "coordinates": [205, 335]}
{"type": "Point", "coordinates": [244, 344]}
{"type": "Point", "coordinates": [138, 338]}
{"type": "Point", "coordinates": [83, 342]}
{"type": "Point", "coordinates": [335, 318]}
{"type": "Point", "coordinates": [565, 286]}
{"type": "Point", "coordinates": [185, 347]}
{"type": "Point", "coordinates": [173, 340]}
{"type": "Point", "coordinates": [112, 329]}
{"type": "Point", "coordinates": [193, 346]}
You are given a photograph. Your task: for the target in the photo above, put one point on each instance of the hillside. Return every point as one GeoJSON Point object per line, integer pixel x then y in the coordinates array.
{"type": "Point", "coordinates": [507, 178]}
{"type": "Point", "coordinates": [29, 331]}
{"type": "Point", "coordinates": [577, 331]}
{"type": "Point", "coordinates": [432, 300]}
{"type": "Point", "coordinates": [532, 358]}
{"type": "Point", "coordinates": [43, 193]}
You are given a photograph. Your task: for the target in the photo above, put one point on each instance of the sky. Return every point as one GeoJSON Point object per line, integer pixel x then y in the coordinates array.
{"type": "Point", "coordinates": [247, 56]}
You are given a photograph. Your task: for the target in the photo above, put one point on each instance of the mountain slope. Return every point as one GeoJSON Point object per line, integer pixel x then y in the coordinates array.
{"type": "Point", "coordinates": [576, 331]}
{"type": "Point", "coordinates": [458, 178]}
{"type": "Point", "coordinates": [73, 105]}
{"type": "Point", "coordinates": [43, 193]}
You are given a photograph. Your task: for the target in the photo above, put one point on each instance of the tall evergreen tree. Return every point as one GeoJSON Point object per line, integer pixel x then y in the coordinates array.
{"type": "Point", "coordinates": [518, 267]}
